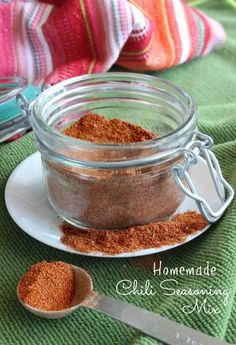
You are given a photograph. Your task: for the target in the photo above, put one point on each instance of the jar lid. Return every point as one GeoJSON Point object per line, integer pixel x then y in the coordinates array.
{"type": "Point", "coordinates": [11, 120]}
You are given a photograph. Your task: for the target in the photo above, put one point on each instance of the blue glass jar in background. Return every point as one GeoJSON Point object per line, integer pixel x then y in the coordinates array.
{"type": "Point", "coordinates": [13, 122]}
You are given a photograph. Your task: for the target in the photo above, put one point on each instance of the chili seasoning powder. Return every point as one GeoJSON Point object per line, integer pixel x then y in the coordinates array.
{"type": "Point", "coordinates": [97, 129]}
{"type": "Point", "coordinates": [134, 238]}
{"type": "Point", "coordinates": [111, 198]}
{"type": "Point", "coordinates": [48, 286]}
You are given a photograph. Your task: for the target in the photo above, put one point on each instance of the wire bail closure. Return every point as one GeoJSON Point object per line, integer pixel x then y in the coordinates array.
{"type": "Point", "coordinates": [23, 105]}
{"type": "Point", "coordinates": [201, 146]}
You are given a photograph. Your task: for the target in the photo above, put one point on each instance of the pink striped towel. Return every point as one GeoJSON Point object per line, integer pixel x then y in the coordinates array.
{"type": "Point", "coordinates": [58, 39]}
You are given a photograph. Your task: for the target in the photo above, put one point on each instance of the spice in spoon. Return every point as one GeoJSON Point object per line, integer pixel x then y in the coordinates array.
{"type": "Point", "coordinates": [48, 286]}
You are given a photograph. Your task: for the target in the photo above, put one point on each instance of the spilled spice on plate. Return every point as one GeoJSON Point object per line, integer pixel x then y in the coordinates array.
{"type": "Point", "coordinates": [134, 238]}
{"type": "Point", "coordinates": [48, 286]}
{"type": "Point", "coordinates": [97, 129]}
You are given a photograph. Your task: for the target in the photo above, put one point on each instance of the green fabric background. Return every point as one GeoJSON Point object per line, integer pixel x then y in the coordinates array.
{"type": "Point", "coordinates": [212, 82]}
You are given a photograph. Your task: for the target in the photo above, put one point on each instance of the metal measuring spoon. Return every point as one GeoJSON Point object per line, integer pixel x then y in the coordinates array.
{"type": "Point", "coordinates": [154, 325]}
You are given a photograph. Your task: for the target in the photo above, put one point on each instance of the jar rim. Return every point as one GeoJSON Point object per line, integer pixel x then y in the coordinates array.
{"type": "Point", "coordinates": [14, 85]}
{"type": "Point", "coordinates": [109, 76]}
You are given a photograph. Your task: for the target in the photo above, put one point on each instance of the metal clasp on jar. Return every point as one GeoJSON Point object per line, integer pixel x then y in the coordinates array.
{"type": "Point", "coordinates": [201, 146]}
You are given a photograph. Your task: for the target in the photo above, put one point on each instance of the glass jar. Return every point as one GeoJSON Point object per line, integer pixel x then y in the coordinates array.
{"type": "Point", "coordinates": [113, 186]}
{"type": "Point", "coordinates": [13, 123]}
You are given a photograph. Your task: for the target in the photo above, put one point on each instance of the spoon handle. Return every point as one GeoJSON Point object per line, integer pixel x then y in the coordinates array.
{"type": "Point", "coordinates": [154, 325]}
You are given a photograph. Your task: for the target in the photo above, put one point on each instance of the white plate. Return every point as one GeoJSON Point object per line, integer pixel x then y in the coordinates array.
{"type": "Point", "coordinates": [27, 203]}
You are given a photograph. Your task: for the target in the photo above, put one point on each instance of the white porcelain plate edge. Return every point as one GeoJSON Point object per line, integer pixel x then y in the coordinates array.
{"type": "Point", "coordinates": [27, 204]}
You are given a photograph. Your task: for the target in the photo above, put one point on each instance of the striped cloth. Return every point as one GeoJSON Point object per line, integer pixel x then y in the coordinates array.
{"type": "Point", "coordinates": [58, 39]}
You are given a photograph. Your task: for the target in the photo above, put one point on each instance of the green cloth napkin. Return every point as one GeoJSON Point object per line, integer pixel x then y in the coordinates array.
{"type": "Point", "coordinates": [212, 82]}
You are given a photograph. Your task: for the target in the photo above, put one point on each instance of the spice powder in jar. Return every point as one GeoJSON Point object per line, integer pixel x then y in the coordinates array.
{"type": "Point", "coordinates": [112, 198]}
